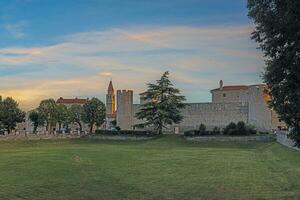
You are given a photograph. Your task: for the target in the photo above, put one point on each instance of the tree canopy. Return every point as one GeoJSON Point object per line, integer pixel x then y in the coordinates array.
{"type": "Point", "coordinates": [76, 114]}
{"type": "Point", "coordinates": [37, 119]}
{"type": "Point", "coordinates": [277, 30]}
{"type": "Point", "coordinates": [48, 108]}
{"type": "Point", "coordinates": [10, 114]}
{"type": "Point", "coordinates": [162, 105]}
{"type": "Point", "coordinates": [94, 113]}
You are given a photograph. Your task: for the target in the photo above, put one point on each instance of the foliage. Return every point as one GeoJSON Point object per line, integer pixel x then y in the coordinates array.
{"type": "Point", "coordinates": [125, 132]}
{"type": "Point", "coordinates": [216, 131]}
{"type": "Point", "coordinates": [202, 129]}
{"type": "Point", "coordinates": [239, 129]}
{"type": "Point", "coordinates": [48, 108]}
{"type": "Point", "coordinates": [37, 119]}
{"type": "Point", "coordinates": [76, 114]}
{"type": "Point", "coordinates": [10, 114]}
{"type": "Point", "coordinates": [94, 113]}
{"type": "Point", "coordinates": [62, 116]}
{"type": "Point", "coordinates": [277, 25]}
{"type": "Point", "coordinates": [163, 106]}
{"type": "Point", "coordinates": [230, 129]}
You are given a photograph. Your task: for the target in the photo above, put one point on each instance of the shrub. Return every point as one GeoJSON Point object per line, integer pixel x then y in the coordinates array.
{"type": "Point", "coordinates": [189, 133]}
{"type": "Point", "coordinates": [202, 130]}
{"type": "Point", "coordinates": [229, 129]}
{"type": "Point", "coordinates": [125, 132]}
{"type": "Point", "coordinates": [239, 129]}
{"type": "Point", "coordinates": [251, 130]}
{"type": "Point", "coordinates": [216, 131]}
{"type": "Point", "coordinates": [264, 132]}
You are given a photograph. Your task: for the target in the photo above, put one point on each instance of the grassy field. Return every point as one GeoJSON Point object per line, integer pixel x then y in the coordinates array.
{"type": "Point", "coordinates": [162, 168]}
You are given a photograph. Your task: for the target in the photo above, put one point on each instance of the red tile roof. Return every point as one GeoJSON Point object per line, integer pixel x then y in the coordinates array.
{"type": "Point", "coordinates": [233, 87]}
{"type": "Point", "coordinates": [71, 101]}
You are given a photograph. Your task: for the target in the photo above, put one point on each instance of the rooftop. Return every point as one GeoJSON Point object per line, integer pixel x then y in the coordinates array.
{"type": "Point", "coordinates": [71, 101]}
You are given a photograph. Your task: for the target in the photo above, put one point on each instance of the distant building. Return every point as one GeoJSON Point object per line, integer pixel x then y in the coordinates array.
{"type": "Point", "coordinates": [70, 102]}
{"type": "Point", "coordinates": [110, 107]}
{"type": "Point", "coordinates": [247, 103]}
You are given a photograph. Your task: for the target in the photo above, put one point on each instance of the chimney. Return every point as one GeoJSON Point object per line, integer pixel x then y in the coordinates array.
{"type": "Point", "coordinates": [221, 84]}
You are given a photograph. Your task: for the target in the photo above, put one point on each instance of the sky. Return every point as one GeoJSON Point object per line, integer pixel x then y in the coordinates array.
{"type": "Point", "coordinates": [73, 48]}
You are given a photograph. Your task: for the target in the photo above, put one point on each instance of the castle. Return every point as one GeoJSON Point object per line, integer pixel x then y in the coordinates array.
{"type": "Point", "coordinates": [247, 103]}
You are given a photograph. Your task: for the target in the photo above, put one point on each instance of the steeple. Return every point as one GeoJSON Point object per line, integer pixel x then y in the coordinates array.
{"type": "Point", "coordinates": [110, 89]}
{"type": "Point", "coordinates": [110, 99]}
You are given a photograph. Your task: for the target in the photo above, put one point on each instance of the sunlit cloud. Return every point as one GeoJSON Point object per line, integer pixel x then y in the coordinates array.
{"type": "Point", "coordinates": [82, 64]}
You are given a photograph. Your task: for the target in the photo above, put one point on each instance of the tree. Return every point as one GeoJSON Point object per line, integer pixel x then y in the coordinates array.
{"type": "Point", "coordinates": [162, 106]}
{"type": "Point", "coordinates": [48, 108]}
{"type": "Point", "coordinates": [76, 115]}
{"type": "Point", "coordinates": [277, 30]}
{"type": "Point", "coordinates": [37, 119]}
{"type": "Point", "coordinates": [10, 114]}
{"type": "Point", "coordinates": [94, 113]}
{"type": "Point", "coordinates": [62, 116]}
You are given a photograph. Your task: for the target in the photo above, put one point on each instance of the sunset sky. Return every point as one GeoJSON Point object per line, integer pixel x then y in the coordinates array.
{"type": "Point", "coordinates": [72, 48]}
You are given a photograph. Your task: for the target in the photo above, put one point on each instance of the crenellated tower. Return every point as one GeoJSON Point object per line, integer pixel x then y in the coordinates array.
{"type": "Point", "coordinates": [110, 99]}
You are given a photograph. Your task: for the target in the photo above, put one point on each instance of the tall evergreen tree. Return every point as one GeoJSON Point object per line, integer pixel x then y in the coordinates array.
{"type": "Point", "coordinates": [162, 105]}
{"type": "Point", "coordinates": [277, 30]}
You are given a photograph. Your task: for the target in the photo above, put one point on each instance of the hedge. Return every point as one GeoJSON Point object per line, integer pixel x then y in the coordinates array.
{"type": "Point", "coordinates": [239, 129]}
{"type": "Point", "coordinates": [125, 132]}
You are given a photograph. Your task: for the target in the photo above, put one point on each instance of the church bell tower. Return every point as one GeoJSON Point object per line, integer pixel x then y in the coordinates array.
{"type": "Point", "coordinates": [110, 99]}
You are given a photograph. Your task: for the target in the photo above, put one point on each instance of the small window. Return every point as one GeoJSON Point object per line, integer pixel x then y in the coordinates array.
{"type": "Point", "coordinates": [279, 120]}
{"type": "Point", "coordinates": [224, 95]}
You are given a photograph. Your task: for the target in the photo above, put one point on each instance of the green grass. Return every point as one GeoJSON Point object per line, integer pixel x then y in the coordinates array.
{"type": "Point", "coordinates": [162, 168]}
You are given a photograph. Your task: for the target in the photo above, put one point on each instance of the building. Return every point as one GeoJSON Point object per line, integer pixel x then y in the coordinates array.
{"type": "Point", "coordinates": [247, 103]}
{"type": "Point", "coordinates": [70, 102]}
{"type": "Point", "coordinates": [110, 107]}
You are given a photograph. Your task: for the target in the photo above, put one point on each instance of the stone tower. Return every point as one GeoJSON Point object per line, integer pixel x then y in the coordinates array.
{"type": "Point", "coordinates": [125, 109]}
{"type": "Point", "coordinates": [110, 99]}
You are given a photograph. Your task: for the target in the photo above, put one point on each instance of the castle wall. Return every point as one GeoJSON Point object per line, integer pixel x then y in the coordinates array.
{"type": "Point", "coordinates": [125, 109]}
{"type": "Point", "coordinates": [210, 114]}
{"type": "Point", "coordinates": [213, 114]}
{"type": "Point", "coordinates": [259, 112]}
{"type": "Point", "coordinates": [226, 96]}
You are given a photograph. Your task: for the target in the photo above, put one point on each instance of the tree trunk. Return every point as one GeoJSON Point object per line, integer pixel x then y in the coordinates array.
{"type": "Point", "coordinates": [34, 129]}
{"type": "Point", "coordinates": [91, 127]}
{"type": "Point", "coordinates": [80, 127]}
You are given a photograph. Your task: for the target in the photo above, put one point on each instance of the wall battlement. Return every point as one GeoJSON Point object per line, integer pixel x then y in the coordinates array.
{"type": "Point", "coordinates": [124, 109]}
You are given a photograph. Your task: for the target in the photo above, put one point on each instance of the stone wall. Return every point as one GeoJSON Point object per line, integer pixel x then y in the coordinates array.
{"type": "Point", "coordinates": [213, 114]}
{"type": "Point", "coordinates": [259, 112]}
{"type": "Point", "coordinates": [210, 114]}
{"type": "Point", "coordinates": [125, 109]}
{"type": "Point", "coordinates": [282, 138]}
{"type": "Point", "coordinates": [254, 138]}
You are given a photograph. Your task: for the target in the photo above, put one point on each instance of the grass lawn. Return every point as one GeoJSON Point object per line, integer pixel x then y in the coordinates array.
{"type": "Point", "coordinates": [162, 168]}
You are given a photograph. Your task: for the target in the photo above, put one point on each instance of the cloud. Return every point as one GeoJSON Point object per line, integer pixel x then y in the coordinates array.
{"type": "Point", "coordinates": [16, 30]}
{"type": "Point", "coordinates": [106, 74]}
{"type": "Point", "coordinates": [81, 64]}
